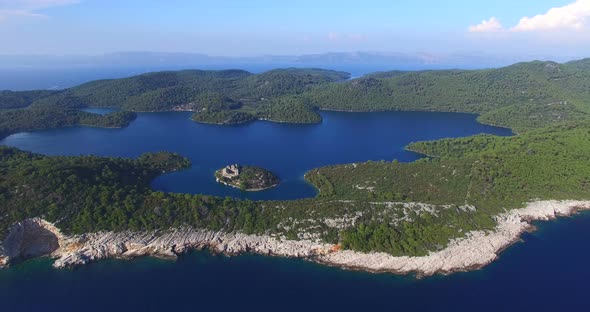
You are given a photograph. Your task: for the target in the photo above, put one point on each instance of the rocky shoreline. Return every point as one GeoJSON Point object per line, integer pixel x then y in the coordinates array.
{"type": "Point", "coordinates": [246, 190]}
{"type": "Point", "coordinates": [36, 237]}
{"type": "Point", "coordinates": [246, 178]}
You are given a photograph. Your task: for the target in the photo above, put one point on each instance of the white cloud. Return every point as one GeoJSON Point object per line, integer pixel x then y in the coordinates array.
{"type": "Point", "coordinates": [491, 25]}
{"type": "Point", "coordinates": [570, 17]}
{"type": "Point", "coordinates": [573, 16]}
{"type": "Point", "coordinates": [28, 8]}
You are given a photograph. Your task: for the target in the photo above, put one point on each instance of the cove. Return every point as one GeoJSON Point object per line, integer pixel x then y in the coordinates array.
{"type": "Point", "coordinates": [288, 150]}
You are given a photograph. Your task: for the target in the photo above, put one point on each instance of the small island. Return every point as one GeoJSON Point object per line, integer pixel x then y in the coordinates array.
{"type": "Point", "coordinates": [247, 178]}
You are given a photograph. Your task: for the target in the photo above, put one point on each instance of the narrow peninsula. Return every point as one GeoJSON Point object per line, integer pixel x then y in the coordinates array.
{"type": "Point", "coordinates": [247, 178]}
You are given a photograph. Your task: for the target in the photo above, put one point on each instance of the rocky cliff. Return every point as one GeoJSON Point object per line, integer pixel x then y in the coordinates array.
{"type": "Point", "coordinates": [28, 239]}
{"type": "Point", "coordinates": [36, 237]}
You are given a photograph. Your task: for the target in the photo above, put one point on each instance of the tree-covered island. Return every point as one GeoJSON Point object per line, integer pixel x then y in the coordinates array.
{"type": "Point", "coordinates": [247, 178]}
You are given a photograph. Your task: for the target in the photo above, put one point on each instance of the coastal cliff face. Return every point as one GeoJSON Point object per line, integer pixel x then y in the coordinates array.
{"type": "Point", "coordinates": [36, 237]}
{"type": "Point", "coordinates": [168, 244]}
{"type": "Point", "coordinates": [29, 239]}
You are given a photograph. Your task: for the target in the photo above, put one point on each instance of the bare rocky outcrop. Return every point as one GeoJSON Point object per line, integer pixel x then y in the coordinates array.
{"type": "Point", "coordinates": [168, 244]}
{"type": "Point", "coordinates": [29, 239]}
{"type": "Point", "coordinates": [475, 250]}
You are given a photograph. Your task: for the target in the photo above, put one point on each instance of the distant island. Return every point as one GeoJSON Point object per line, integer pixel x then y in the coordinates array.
{"type": "Point", "coordinates": [247, 178]}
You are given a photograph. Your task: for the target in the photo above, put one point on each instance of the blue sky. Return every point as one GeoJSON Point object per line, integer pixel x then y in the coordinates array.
{"type": "Point", "coordinates": [257, 27]}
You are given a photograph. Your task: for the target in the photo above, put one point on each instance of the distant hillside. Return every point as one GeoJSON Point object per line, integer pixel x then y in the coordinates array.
{"type": "Point", "coordinates": [548, 92]}
{"type": "Point", "coordinates": [521, 96]}
{"type": "Point", "coordinates": [165, 91]}
{"type": "Point", "coordinates": [340, 60]}
{"type": "Point", "coordinates": [404, 209]}
{"type": "Point", "coordinates": [228, 96]}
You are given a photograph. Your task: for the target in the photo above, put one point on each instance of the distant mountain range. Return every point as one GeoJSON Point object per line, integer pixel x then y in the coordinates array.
{"type": "Point", "coordinates": [387, 60]}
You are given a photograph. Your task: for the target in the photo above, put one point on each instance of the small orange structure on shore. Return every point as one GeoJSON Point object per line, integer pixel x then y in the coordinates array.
{"type": "Point", "coordinates": [336, 248]}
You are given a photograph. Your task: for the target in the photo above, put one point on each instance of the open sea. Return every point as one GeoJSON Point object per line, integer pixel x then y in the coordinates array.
{"type": "Point", "coordinates": [549, 271]}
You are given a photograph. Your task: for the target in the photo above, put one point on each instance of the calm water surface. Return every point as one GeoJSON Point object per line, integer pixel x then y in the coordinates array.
{"type": "Point", "coordinates": [549, 272]}
{"type": "Point", "coordinates": [286, 149]}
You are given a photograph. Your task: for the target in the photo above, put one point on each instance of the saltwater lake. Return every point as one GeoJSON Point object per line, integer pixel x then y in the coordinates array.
{"type": "Point", "coordinates": [547, 272]}
{"type": "Point", "coordinates": [288, 150]}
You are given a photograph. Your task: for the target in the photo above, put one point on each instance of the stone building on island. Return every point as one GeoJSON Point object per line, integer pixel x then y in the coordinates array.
{"type": "Point", "coordinates": [230, 171]}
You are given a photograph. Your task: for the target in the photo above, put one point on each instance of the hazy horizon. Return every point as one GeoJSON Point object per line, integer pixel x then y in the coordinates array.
{"type": "Point", "coordinates": [391, 59]}
{"type": "Point", "coordinates": [258, 28]}
{"type": "Point", "coordinates": [57, 72]}
{"type": "Point", "coordinates": [61, 43]}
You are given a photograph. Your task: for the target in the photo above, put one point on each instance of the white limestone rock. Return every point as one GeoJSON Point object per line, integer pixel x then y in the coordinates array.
{"type": "Point", "coordinates": [35, 237]}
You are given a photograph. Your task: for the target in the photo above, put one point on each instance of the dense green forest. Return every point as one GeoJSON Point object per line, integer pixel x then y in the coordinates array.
{"type": "Point", "coordinates": [194, 90]}
{"type": "Point", "coordinates": [12, 121]}
{"type": "Point", "coordinates": [223, 117]}
{"type": "Point", "coordinates": [485, 171]}
{"type": "Point", "coordinates": [370, 206]}
{"type": "Point", "coordinates": [248, 178]}
{"type": "Point", "coordinates": [20, 99]}
{"type": "Point", "coordinates": [221, 97]}
{"type": "Point", "coordinates": [470, 181]}
{"type": "Point", "coordinates": [476, 177]}
{"type": "Point", "coordinates": [522, 96]}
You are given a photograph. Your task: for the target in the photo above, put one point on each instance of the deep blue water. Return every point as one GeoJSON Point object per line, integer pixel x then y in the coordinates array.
{"type": "Point", "coordinates": [286, 149]}
{"type": "Point", "coordinates": [548, 272]}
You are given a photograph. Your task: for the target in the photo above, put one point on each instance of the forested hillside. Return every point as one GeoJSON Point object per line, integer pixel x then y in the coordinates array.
{"type": "Point", "coordinates": [20, 99]}
{"type": "Point", "coordinates": [399, 208]}
{"type": "Point", "coordinates": [478, 177]}
{"type": "Point", "coordinates": [521, 96]}
{"type": "Point", "coordinates": [224, 97]}
{"type": "Point", "coordinates": [368, 206]}
{"type": "Point", "coordinates": [12, 121]}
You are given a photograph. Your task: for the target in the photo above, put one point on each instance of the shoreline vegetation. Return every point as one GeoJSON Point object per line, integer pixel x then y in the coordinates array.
{"type": "Point", "coordinates": [35, 237]}
{"type": "Point", "coordinates": [14, 121]}
{"type": "Point", "coordinates": [453, 211]}
{"type": "Point", "coordinates": [246, 178]}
